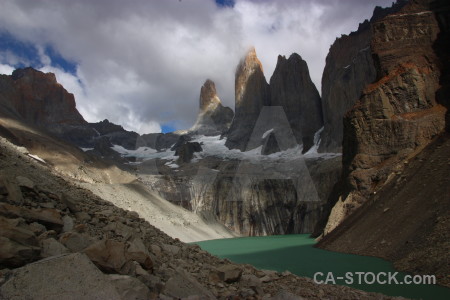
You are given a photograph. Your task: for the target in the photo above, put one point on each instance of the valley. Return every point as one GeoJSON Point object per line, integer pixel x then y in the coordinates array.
{"type": "Point", "coordinates": [249, 202]}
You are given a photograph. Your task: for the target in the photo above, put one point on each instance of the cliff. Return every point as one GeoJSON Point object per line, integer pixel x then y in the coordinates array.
{"type": "Point", "coordinates": [289, 107]}
{"type": "Point", "coordinates": [251, 94]}
{"type": "Point", "coordinates": [397, 115]}
{"type": "Point", "coordinates": [291, 88]}
{"type": "Point", "coordinates": [349, 68]}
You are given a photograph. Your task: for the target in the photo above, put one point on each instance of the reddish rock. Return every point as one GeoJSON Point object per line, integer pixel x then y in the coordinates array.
{"type": "Point", "coordinates": [39, 98]}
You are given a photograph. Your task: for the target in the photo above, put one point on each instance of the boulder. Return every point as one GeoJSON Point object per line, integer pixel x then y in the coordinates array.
{"type": "Point", "coordinates": [183, 285]}
{"type": "Point", "coordinates": [108, 255]}
{"type": "Point", "coordinates": [50, 279]}
{"type": "Point", "coordinates": [48, 216]}
{"type": "Point", "coordinates": [228, 273]}
{"type": "Point", "coordinates": [51, 247]}
{"type": "Point", "coordinates": [75, 241]}
{"type": "Point", "coordinates": [18, 244]}
{"type": "Point", "coordinates": [129, 287]}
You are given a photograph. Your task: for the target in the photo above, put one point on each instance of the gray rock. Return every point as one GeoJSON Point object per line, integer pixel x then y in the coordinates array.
{"type": "Point", "coordinates": [25, 182]}
{"type": "Point", "coordinates": [75, 241]}
{"type": "Point", "coordinates": [213, 117]}
{"type": "Point", "coordinates": [19, 245]}
{"type": "Point", "coordinates": [51, 247]}
{"type": "Point", "coordinates": [182, 285]}
{"type": "Point", "coordinates": [228, 273]}
{"type": "Point", "coordinates": [68, 224]}
{"type": "Point", "coordinates": [172, 249]}
{"type": "Point", "coordinates": [83, 281]}
{"type": "Point", "coordinates": [129, 287]}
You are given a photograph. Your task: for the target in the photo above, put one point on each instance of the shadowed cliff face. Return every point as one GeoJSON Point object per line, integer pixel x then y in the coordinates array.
{"type": "Point", "coordinates": [397, 115]}
{"type": "Point", "coordinates": [292, 88]}
{"type": "Point", "coordinates": [349, 68]}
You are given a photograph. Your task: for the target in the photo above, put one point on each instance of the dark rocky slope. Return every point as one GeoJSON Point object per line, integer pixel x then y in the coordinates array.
{"type": "Point", "coordinates": [408, 221]}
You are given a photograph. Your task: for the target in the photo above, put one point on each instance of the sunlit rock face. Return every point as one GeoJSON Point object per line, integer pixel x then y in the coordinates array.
{"type": "Point", "coordinates": [213, 117]}
{"type": "Point", "coordinates": [292, 88]}
{"type": "Point", "coordinates": [251, 94]}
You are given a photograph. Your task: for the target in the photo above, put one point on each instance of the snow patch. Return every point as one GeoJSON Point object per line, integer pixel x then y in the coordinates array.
{"type": "Point", "coordinates": [37, 158]}
{"type": "Point", "coordinates": [267, 133]}
{"type": "Point", "coordinates": [172, 165]}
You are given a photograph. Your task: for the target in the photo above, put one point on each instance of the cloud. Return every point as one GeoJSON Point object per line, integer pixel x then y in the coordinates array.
{"type": "Point", "coordinates": [142, 64]}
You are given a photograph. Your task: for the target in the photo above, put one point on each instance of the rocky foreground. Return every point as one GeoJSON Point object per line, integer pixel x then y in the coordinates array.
{"type": "Point", "coordinates": [59, 241]}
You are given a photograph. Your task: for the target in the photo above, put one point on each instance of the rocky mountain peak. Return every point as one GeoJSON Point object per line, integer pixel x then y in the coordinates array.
{"type": "Point", "coordinates": [208, 96]}
{"type": "Point", "coordinates": [213, 117]}
{"type": "Point", "coordinates": [291, 87]}
{"type": "Point", "coordinates": [249, 66]}
{"type": "Point", "coordinates": [251, 93]}
{"type": "Point", "coordinates": [39, 99]}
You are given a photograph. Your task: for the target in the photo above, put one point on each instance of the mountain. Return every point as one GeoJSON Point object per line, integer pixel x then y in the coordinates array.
{"type": "Point", "coordinates": [213, 117]}
{"type": "Point", "coordinates": [37, 98]}
{"type": "Point", "coordinates": [349, 68]}
{"type": "Point", "coordinates": [289, 107]}
{"type": "Point", "coordinates": [251, 94]}
{"type": "Point", "coordinates": [394, 143]}
{"type": "Point", "coordinates": [291, 88]}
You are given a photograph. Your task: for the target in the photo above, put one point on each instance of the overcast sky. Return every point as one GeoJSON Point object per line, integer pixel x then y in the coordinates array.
{"type": "Point", "coordinates": [141, 63]}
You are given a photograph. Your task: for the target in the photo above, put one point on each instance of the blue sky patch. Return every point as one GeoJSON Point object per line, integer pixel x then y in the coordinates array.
{"type": "Point", "coordinates": [225, 3]}
{"type": "Point", "coordinates": [21, 54]}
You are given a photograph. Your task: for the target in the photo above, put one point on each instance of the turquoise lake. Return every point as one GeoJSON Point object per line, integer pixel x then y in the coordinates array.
{"type": "Point", "coordinates": [297, 254]}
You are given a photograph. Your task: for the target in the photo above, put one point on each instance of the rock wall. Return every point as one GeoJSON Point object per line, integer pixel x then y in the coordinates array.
{"type": "Point", "coordinates": [397, 115]}
{"type": "Point", "coordinates": [251, 94]}
{"type": "Point", "coordinates": [292, 88]}
{"type": "Point", "coordinates": [349, 68]}
{"type": "Point", "coordinates": [252, 199]}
